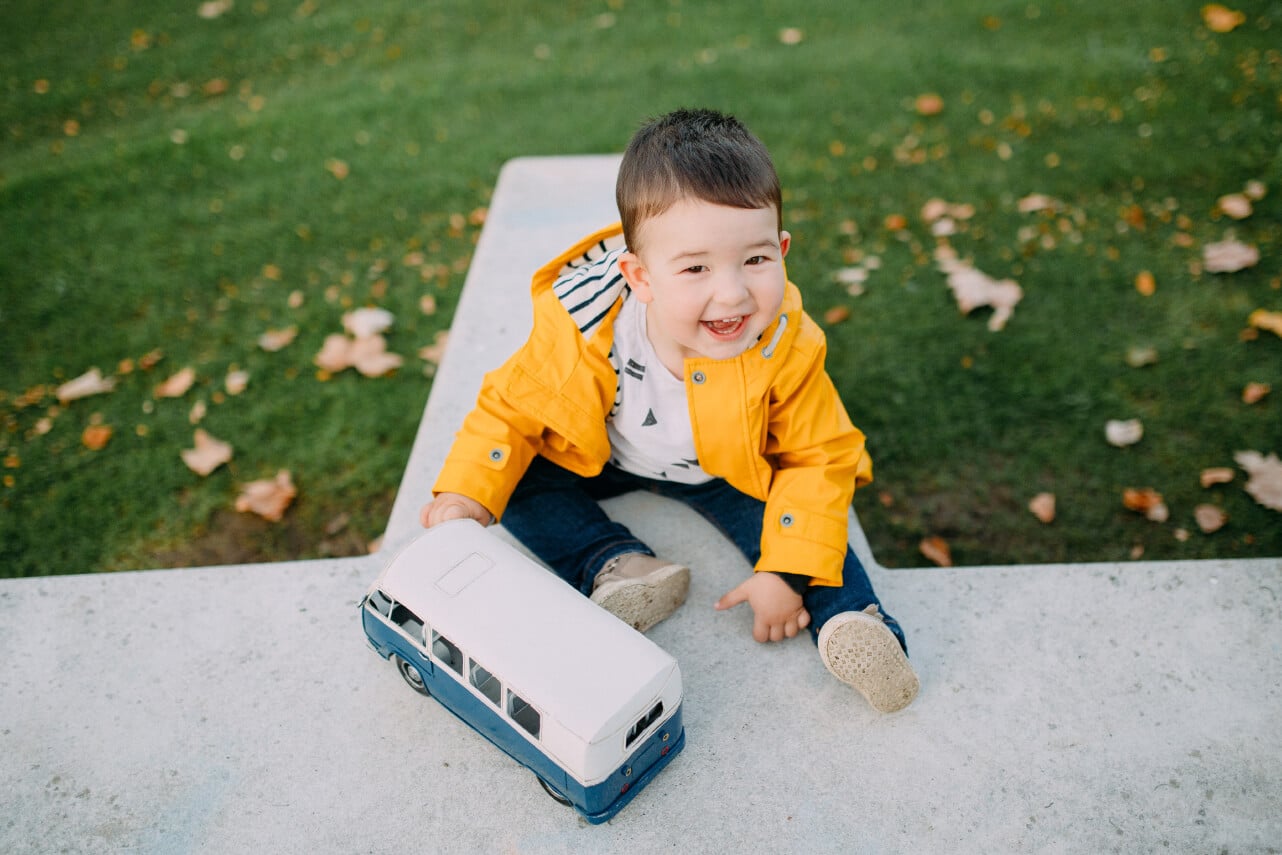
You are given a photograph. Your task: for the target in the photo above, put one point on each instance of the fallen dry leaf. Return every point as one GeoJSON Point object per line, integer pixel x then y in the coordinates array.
{"type": "Point", "coordinates": [1221, 19]}
{"type": "Point", "coordinates": [335, 354]}
{"type": "Point", "coordinates": [1139, 356]}
{"type": "Point", "coordinates": [177, 385]}
{"type": "Point", "coordinates": [1035, 202]}
{"type": "Point", "coordinates": [1265, 483]}
{"type": "Point", "coordinates": [197, 414]}
{"type": "Point", "coordinates": [1229, 256]}
{"type": "Point", "coordinates": [367, 321]}
{"type": "Point", "coordinates": [337, 168]}
{"type": "Point", "coordinates": [427, 304]}
{"type": "Point", "coordinates": [1210, 518]}
{"type": "Point", "coordinates": [370, 357]}
{"type": "Point", "coordinates": [973, 288]}
{"type": "Point", "coordinates": [1255, 190]}
{"type": "Point", "coordinates": [1254, 392]}
{"type": "Point", "coordinates": [90, 383]}
{"type": "Point", "coordinates": [928, 104]}
{"type": "Point", "coordinates": [1216, 475]}
{"type": "Point", "coordinates": [1145, 283]}
{"type": "Point", "coordinates": [433, 352]}
{"type": "Point", "coordinates": [96, 437]}
{"type": "Point", "coordinates": [1123, 433]}
{"type": "Point", "coordinates": [1043, 507]}
{"type": "Point", "coordinates": [274, 340]}
{"type": "Point", "coordinates": [836, 315]}
{"type": "Point", "coordinates": [214, 9]}
{"type": "Point", "coordinates": [236, 382]}
{"type": "Point", "coordinates": [1263, 320]}
{"type": "Point", "coordinates": [936, 549]}
{"type": "Point", "coordinates": [1146, 501]}
{"type": "Point", "coordinates": [267, 498]}
{"type": "Point", "coordinates": [207, 455]}
{"type": "Point", "coordinates": [791, 36]}
{"type": "Point", "coordinates": [1235, 205]}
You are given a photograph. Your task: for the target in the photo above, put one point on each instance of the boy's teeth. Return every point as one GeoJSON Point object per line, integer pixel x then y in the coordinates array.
{"type": "Point", "coordinates": [725, 324]}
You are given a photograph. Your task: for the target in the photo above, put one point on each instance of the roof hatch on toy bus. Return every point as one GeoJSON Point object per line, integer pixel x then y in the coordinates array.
{"type": "Point", "coordinates": [565, 655]}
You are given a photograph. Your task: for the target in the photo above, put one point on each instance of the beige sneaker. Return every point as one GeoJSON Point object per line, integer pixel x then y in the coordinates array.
{"type": "Point", "coordinates": [861, 651]}
{"type": "Point", "coordinates": [640, 590]}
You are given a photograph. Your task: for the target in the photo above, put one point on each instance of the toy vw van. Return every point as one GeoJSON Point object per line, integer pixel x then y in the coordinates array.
{"type": "Point", "coordinates": [565, 688]}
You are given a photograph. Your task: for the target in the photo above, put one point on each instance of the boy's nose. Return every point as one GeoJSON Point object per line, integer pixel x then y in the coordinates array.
{"type": "Point", "coordinates": [732, 289]}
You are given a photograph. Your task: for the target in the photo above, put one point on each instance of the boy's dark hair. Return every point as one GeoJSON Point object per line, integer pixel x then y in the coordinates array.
{"type": "Point", "coordinates": [700, 154]}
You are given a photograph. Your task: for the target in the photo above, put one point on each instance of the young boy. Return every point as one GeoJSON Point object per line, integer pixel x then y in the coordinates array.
{"type": "Point", "coordinates": [670, 353]}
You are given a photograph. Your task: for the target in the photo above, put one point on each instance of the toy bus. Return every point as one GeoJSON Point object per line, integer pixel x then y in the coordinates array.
{"type": "Point", "coordinates": [565, 688]}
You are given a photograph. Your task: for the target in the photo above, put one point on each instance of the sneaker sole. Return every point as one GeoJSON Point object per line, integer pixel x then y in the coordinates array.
{"type": "Point", "coordinates": [863, 653]}
{"type": "Point", "coordinates": [642, 603]}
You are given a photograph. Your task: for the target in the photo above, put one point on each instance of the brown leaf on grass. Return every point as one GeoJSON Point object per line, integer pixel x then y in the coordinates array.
{"type": "Point", "coordinates": [1043, 507]}
{"type": "Point", "coordinates": [1265, 483]}
{"type": "Point", "coordinates": [791, 36]}
{"type": "Point", "coordinates": [337, 168]}
{"type": "Point", "coordinates": [367, 321]}
{"type": "Point", "coordinates": [836, 315]}
{"type": "Point", "coordinates": [1145, 283]}
{"type": "Point", "coordinates": [1123, 433]}
{"type": "Point", "coordinates": [433, 352]}
{"type": "Point", "coordinates": [928, 104]}
{"type": "Point", "coordinates": [1229, 256]}
{"type": "Point", "coordinates": [90, 383]}
{"type": "Point", "coordinates": [1221, 19]}
{"type": "Point", "coordinates": [268, 498]}
{"type": "Point", "coordinates": [1139, 356]}
{"type": "Point", "coordinates": [1210, 518]}
{"type": "Point", "coordinates": [96, 437]}
{"type": "Point", "coordinates": [973, 288]}
{"type": "Point", "coordinates": [237, 381]}
{"type": "Point", "coordinates": [936, 549]}
{"type": "Point", "coordinates": [1216, 475]}
{"type": "Point", "coordinates": [1235, 205]}
{"type": "Point", "coordinates": [370, 357]}
{"type": "Point", "coordinates": [1147, 501]}
{"type": "Point", "coordinates": [214, 9]}
{"type": "Point", "coordinates": [177, 385]}
{"type": "Point", "coordinates": [335, 354]}
{"type": "Point", "coordinates": [1254, 392]}
{"type": "Point", "coordinates": [1264, 320]}
{"type": "Point", "coordinates": [207, 455]}
{"type": "Point", "coordinates": [1035, 202]}
{"type": "Point", "coordinates": [274, 340]}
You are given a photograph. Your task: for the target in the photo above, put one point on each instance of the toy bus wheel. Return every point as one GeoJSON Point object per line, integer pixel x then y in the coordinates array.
{"type": "Point", "coordinates": [556, 797]}
{"type": "Point", "coordinates": [411, 675]}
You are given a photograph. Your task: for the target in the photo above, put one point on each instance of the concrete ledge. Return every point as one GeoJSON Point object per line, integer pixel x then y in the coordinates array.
{"type": "Point", "coordinates": [1126, 707]}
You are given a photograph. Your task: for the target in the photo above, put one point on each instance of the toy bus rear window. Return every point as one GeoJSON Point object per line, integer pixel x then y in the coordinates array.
{"type": "Point", "coordinates": [643, 723]}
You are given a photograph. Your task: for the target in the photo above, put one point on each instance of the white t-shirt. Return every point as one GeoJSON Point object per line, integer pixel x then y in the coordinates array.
{"type": "Point", "coordinates": [649, 428]}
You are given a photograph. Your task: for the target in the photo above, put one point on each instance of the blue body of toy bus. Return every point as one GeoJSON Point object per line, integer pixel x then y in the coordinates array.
{"type": "Point", "coordinates": [588, 704]}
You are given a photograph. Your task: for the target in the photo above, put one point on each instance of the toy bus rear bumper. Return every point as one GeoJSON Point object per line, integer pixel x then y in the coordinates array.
{"type": "Point", "coordinates": [623, 786]}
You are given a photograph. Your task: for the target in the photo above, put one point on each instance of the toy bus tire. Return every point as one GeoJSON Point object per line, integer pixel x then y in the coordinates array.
{"type": "Point", "coordinates": [556, 797]}
{"type": "Point", "coordinates": [411, 675]}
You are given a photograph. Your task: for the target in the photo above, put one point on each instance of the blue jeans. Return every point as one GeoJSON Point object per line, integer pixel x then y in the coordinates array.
{"type": "Point", "coordinates": [556, 515]}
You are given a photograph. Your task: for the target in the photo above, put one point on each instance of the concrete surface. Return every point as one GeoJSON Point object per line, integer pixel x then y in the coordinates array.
{"type": "Point", "coordinates": [1128, 707]}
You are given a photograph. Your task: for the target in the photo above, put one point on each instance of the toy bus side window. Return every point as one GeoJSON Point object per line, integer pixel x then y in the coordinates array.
{"type": "Point", "coordinates": [486, 683]}
{"type": "Point", "coordinates": [446, 651]}
{"type": "Point", "coordinates": [408, 621]}
{"type": "Point", "coordinates": [523, 714]}
{"type": "Point", "coordinates": [380, 602]}
{"type": "Point", "coordinates": [643, 723]}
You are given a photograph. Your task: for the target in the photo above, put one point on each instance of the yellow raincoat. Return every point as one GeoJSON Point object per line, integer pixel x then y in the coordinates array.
{"type": "Point", "coordinates": [769, 421]}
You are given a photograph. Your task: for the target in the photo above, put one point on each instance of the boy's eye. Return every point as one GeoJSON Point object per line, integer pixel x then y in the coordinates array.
{"type": "Point", "coordinates": [756, 259]}
{"type": "Point", "coordinates": [695, 268]}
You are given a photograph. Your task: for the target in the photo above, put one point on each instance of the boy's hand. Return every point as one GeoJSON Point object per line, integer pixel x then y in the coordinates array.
{"type": "Point", "coordinates": [453, 506]}
{"type": "Point", "coordinates": [776, 608]}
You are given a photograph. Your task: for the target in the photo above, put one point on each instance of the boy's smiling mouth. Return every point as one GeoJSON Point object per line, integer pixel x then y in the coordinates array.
{"type": "Point", "coordinates": [725, 327]}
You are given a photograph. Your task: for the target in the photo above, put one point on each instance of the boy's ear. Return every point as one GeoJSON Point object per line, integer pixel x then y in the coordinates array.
{"type": "Point", "coordinates": [785, 241]}
{"type": "Point", "coordinates": [636, 275]}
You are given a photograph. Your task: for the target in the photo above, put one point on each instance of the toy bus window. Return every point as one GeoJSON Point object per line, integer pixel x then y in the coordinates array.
{"type": "Point", "coordinates": [648, 719]}
{"type": "Point", "coordinates": [445, 650]}
{"type": "Point", "coordinates": [409, 621]}
{"type": "Point", "coordinates": [523, 714]}
{"type": "Point", "coordinates": [487, 683]}
{"type": "Point", "coordinates": [379, 602]}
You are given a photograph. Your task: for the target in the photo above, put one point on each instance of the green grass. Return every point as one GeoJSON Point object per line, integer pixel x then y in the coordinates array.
{"type": "Point", "coordinates": [164, 185]}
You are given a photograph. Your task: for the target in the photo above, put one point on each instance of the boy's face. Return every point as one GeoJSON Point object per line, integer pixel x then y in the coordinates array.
{"type": "Point", "coordinates": [711, 277]}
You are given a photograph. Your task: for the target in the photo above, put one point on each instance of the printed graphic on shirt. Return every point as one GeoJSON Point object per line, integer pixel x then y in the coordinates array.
{"type": "Point", "coordinates": [649, 428]}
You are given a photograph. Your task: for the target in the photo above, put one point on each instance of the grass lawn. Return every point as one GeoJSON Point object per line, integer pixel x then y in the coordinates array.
{"type": "Point", "coordinates": [173, 185]}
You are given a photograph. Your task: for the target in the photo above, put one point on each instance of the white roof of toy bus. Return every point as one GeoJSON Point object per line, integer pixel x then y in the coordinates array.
{"type": "Point", "coordinates": [559, 651]}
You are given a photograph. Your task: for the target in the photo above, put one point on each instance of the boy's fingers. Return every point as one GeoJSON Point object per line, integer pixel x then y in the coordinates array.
{"type": "Point", "coordinates": [732, 599]}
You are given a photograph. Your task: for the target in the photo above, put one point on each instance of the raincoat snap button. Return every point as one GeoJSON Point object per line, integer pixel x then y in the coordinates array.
{"type": "Point", "coordinates": [785, 520]}
{"type": "Point", "coordinates": [698, 377]}
{"type": "Point", "coordinates": [496, 454]}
